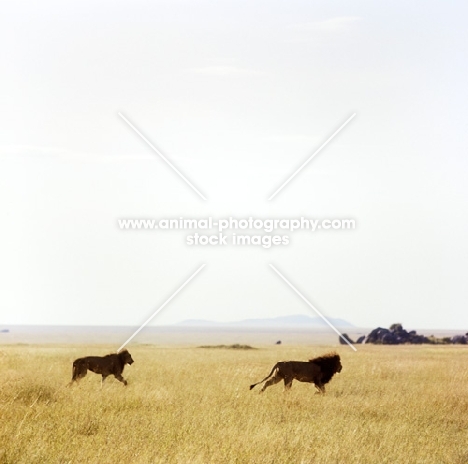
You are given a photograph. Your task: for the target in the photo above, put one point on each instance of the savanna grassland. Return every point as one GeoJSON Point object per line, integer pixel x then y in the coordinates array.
{"type": "Point", "coordinates": [397, 404]}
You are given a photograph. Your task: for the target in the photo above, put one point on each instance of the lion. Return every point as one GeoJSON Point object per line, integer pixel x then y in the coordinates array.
{"type": "Point", "coordinates": [112, 364]}
{"type": "Point", "coordinates": [318, 371]}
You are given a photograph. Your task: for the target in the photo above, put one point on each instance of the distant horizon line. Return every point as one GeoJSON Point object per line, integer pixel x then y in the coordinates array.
{"type": "Point", "coordinates": [175, 325]}
{"type": "Point", "coordinates": [199, 320]}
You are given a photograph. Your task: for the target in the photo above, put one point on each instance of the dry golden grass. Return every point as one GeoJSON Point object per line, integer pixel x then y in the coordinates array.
{"type": "Point", "coordinates": [400, 404]}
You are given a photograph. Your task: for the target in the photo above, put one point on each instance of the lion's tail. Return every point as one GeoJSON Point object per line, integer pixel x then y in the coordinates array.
{"type": "Point", "coordinates": [267, 377]}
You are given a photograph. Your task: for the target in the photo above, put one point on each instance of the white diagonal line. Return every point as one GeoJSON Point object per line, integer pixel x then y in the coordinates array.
{"type": "Point", "coordinates": [311, 157]}
{"type": "Point", "coordinates": [312, 306]}
{"type": "Point", "coordinates": [164, 304]}
{"type": "Point", "coordinates": [160, 155]}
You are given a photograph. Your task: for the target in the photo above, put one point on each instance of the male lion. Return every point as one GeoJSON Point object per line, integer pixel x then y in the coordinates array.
{"type": "Point", "coordinates": [112, 364]}
{"type": "Point", "coordinates": [318, 371]}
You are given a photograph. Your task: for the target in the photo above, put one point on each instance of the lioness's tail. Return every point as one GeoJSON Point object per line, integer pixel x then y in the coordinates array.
{"type": "Point", "coordinates": [267, 377]}
{"type": "Point", "coordinates": [73, 376]}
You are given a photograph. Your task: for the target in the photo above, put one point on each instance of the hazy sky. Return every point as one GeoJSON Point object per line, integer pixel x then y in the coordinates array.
{"type": "Point", "coordinates": [237, 94]}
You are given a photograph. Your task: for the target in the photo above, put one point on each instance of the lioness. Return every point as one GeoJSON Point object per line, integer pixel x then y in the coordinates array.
{"type": "Point", "coordinates": [112, 364]}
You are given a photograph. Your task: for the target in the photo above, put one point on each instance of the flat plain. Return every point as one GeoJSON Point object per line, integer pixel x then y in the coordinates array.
{"type": "Point", "coordinates": [184, 404]}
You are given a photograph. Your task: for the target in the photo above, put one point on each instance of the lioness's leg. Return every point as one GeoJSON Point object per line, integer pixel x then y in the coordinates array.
{"type": "Point", "coordinates": [119, 377]}
{"type": "Point", "coordinates": [270, 382]}
{"type": "Point", "coordinates": [104, 377]}
{"type": "Point", "coordinates": [79, 371]}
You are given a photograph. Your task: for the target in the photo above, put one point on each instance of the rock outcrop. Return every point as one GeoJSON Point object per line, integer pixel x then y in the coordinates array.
{"type": "Point", "coordinates": [397, 335]}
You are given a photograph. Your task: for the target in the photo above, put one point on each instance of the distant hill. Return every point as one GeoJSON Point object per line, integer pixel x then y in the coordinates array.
{"type": "Point", "coordinates": [296, 320]}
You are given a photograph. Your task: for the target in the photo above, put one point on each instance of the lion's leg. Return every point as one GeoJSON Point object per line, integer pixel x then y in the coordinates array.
{"type": "Point", "coordinates": [274, 380]}
{"type": "Point", "coordinates": [320, 387]}
{"type": "Point", "coordinates": [288, 383]}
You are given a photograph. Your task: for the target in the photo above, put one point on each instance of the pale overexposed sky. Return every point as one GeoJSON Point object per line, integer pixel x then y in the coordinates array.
{"type": "Point", "coordinates": [237, 94]}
